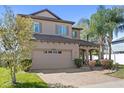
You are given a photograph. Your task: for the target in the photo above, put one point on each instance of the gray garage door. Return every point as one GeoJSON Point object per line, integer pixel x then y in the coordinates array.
{"type": "Point", "coordinates": [52, 59]}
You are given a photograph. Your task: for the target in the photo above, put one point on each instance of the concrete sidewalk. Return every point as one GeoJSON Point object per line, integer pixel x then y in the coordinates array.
{"type": "Point", "coordinates": [113, 84]}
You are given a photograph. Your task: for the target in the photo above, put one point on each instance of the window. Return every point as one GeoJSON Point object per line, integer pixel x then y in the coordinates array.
{"type": "Point", "coordinates": [74, 34]}
{"type": "Point", "coordinates": [59, 52]}
{"type": "Point", "coordinates": [61, 30]}
{"type": "Point", "coordinates": [52, 51]}
{"type": "Point", "coordinates": [45, 52]}
{"type": "Point", "coordinates": [37, 27]}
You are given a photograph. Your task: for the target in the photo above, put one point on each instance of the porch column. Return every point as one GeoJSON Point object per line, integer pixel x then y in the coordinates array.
{"type": "Point", "coordinates": [87, 55]}
{"type": "Point", "coordinates": [83, 56]}
{"type": "Point", "coordinates": [90, 54]}
{"type": "Point", "coordinates": [98, 54]}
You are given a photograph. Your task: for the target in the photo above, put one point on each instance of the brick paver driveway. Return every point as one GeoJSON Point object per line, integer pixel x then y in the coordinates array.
{"type": "Point", "coordinates": [76, 77]}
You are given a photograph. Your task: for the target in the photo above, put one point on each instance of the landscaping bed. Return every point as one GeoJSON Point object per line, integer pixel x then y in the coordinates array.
{"type": "Point", "coordinates": [119, 73]}
{"type": "Point", "coordinates": [24, 80]}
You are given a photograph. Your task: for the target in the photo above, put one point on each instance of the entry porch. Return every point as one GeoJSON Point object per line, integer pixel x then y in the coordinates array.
{"type": "Point", "coordinates": [87, 52]}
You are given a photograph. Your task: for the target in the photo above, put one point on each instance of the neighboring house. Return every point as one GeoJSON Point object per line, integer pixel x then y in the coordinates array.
{"type": "Point", "coordinates": [57, 42]}
{"type": "Point", "coordinates": [118, 45]}
{"type": "Point", "coordinates": [118, 50]}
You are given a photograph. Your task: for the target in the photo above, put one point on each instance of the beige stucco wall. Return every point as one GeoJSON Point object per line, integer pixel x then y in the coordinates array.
{"type": "Point", "coordinates": [62, 46]}
{"type": "Point", "coordinates": [45, 14]}
{"type": "Point", "coordinates": [49, 27]}
{"type": "Point", "coordinates": [78, 34]}
{"type": "Point", "coordinates": [72, 48]}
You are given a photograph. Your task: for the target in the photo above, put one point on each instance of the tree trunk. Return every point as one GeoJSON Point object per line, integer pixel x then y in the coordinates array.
{"type": "Point", "coordinates": [101, 48]}
{"type": "Point", "coordinates": [14, 70]}
{"type": "Point", "coordinates": [87, 37]}
{"type": "Point", "coordinates": [110, 48]}
{"type": "Point", "coordinates": [13, 75]}
{"type": "Point", "coordinates": [101, 52]}
{"type": "Point", "coordinates": [83, 58]}
{"type": "Point", "coordinates": [110, 52]}
{"type": "Point", "coordinates": [90, 54]}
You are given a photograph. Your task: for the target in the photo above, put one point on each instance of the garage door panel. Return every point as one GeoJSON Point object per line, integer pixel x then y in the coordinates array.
{"type": "Point", "coordinates": [49, 61]}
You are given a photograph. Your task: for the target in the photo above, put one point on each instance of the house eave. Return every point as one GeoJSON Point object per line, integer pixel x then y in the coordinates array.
{"type": "Point", "coordinates": [46, 19]}
{"type": "Point", "coordinates": [60, 39]}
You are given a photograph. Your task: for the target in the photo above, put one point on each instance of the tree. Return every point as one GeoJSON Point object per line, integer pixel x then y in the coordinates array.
{"type": "Point", "coordinates": [84, 23]}
{"type": "Point", "coordinates": [104, 22]}
{"type": "Point", "coordinates": [114, 17]}
{"type": "Point", "coordinates": [97, 25]}
{"type": "Point", "coordinates": [16, 35]}
{"type": "Point", "coordinates": [86, 34]}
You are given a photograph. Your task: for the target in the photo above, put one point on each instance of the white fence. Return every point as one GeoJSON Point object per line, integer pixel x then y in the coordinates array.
{"type": "Point", "coordinates": [119, 58]}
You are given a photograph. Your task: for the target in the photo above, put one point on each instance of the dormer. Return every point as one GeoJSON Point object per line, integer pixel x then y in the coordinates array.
{"type": "Point", "coordinates": [76, 32]}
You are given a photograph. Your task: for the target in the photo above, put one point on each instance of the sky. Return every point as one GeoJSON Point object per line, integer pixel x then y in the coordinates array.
{"type": "Point", "coordinates": [66, 12]}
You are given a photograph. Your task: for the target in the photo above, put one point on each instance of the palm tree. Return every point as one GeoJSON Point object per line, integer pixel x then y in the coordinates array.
{"type": "Point", "coordinates": [97, 25]}
{"type": "Point", "coordinates": [114, 17]}
{"type": "Point", "coordinates": [86, 34]}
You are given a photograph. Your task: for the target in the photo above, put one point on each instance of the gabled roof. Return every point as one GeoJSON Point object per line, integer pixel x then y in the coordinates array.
{"type": "Point", "coordinates": [118, 40]}
{"type": "Point", "coordinates": [60, 39]}
{"type": "Point", "coordinates": [46, 11]}
{"type": "Point", "coordinates": [46, 18]}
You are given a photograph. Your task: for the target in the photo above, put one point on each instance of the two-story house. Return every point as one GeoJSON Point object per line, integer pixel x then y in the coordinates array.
{"type": "Point", "coordinates": [57, 42]}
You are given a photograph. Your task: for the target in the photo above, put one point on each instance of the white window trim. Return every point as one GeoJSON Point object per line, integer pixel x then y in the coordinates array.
{"type": "Point", "coordinates": [39, 29]}
{"type": "Point", "coordinates": [62, 29]}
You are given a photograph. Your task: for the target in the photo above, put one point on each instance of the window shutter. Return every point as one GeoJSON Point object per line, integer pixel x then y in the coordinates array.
{"type": "Point", "coordinates": [75, 34]}
{"type": "Point", "coordinates": [33, 27]}
{"type": "Point", "coordinates": [40, 27]}
{"type": "Point", "coordinates": [67, 30]}
{"type": "Point", "coordinates": [56, 29]}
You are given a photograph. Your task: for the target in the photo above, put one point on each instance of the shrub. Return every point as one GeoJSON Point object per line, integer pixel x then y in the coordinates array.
{"type": "Point", "coordinates": [116, 66]}
{"type": "Point", "coordinates": [107, 64]}
{"type": "Point", "coordinates": [103, 62]}
{"type": "Point", "coordinates": [26, 64]}
{"type": "Point", "coordinates": [92, 63]}
{"type": "Point", "coordinates": [78, 62]}
{"type": "Point", "coordinates": [98, 63]}
{"type": "Point", "coordinates": [110, 64]}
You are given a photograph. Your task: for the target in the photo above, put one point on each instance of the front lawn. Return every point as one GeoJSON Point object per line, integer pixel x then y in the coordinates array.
{"type": "Point", "coordinates": [119, 73]}
{"type": "Point", "coordinates": [24, 80]}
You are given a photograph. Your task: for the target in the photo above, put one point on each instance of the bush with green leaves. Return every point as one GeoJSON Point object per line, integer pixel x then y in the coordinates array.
{"type": "Point", "coordinates": [26, 64]}
{"type": "Point", "coordinates": [107, 64]}
{"type": "Point", "coordinates": [78, 62]}
{"type": "Point", "coordinates": [92, 63]}
{"type": "Point", "coordinates": [98, 64]}
{"type": "Point", "coordinates": [115, 66]}
{"type": "Point", "coordinates": [110, 64]}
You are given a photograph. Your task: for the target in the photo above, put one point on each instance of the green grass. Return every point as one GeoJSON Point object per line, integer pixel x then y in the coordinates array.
{"type": "Point", "coordinates": [24, 80]}
{"type": "Point", "coordinates": [119, 73]}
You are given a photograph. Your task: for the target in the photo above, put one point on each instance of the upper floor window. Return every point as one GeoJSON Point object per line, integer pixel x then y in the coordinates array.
{"type": "Point", "coordinates": [62, 30]}
{"type": "Point", "coordinates": [74, 34]}
{"type": "Point", "coordinates": [37, 27]}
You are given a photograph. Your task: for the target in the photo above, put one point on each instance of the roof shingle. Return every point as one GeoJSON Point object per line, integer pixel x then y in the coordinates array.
{"type": "Point", "coordinates": [55, 38]}
{"type": "Point", "coordinates": [46, 18]}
